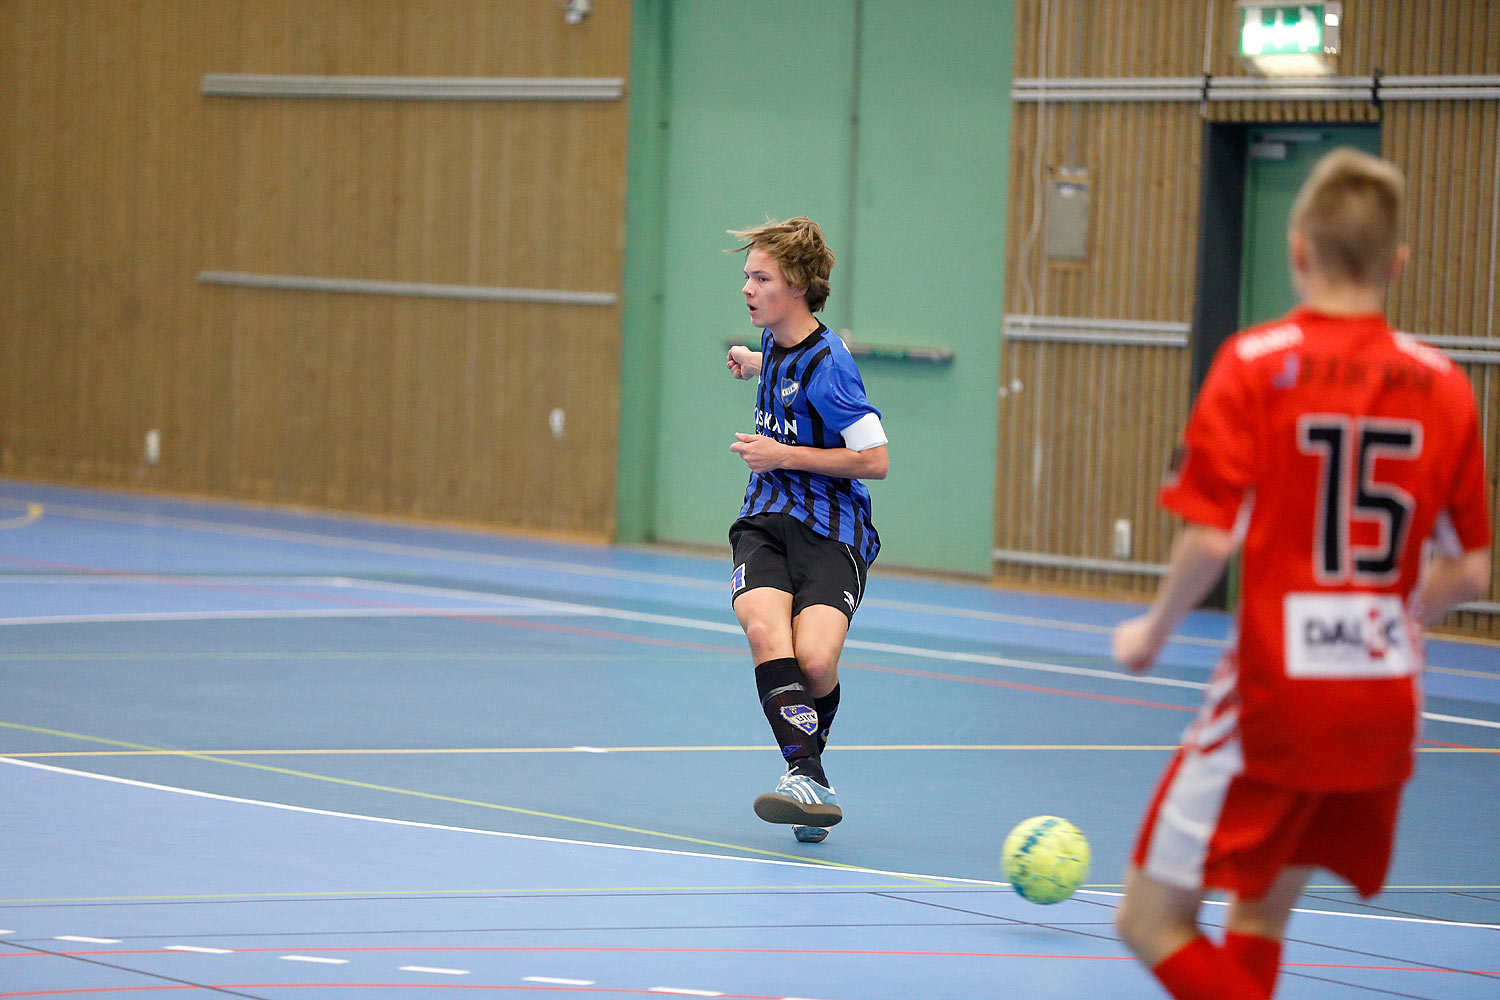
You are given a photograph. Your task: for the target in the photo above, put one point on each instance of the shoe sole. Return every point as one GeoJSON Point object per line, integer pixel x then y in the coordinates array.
{"type": "Point", "coordinates": [783, 809]}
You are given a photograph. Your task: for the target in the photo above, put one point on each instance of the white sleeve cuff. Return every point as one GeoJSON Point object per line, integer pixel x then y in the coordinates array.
{"type": "Point", "coordinates": [865, 433]}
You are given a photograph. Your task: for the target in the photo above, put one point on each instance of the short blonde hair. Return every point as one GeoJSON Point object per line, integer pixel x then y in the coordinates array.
{"type": "Point", "coordinates": [797, 247]}
{"type": "Point", "coordinates": [1350, 211]}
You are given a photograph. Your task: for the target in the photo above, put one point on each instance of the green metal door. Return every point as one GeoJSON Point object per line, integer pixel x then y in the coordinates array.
{"type": "Point", "coordinates": [1280, 158]}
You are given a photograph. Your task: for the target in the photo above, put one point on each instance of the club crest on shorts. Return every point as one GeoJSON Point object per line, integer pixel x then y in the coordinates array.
{"type": "Point", "coordinates": [801, 716]}
{"type": "Point", "coordinates": [737, 579]}
{"type": "Point", "coordinates": [789, 389]}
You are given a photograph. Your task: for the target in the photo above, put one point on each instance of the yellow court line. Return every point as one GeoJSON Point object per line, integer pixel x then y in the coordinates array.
{"type": "Point", "coordinates": [436, 751]}
{"type": "Point", "coordinates": [432, 796]}
{"type": "Point", "coordinates": [33, 514]}
{"type": "Point", "coordinates": [353, 657]}
{"type": "Point", "coordinates": [401, 751]}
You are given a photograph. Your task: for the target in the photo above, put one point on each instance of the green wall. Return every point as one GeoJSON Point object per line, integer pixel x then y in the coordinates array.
{"type": "Point", "coordinates": [889, 123]}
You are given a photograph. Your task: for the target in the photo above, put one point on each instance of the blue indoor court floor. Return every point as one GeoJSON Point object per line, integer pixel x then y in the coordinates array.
{"type": "Point", "coordinates": [265, 753]}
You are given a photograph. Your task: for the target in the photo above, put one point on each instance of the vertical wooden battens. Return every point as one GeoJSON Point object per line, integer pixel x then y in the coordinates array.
{"type": "Point", "coordinates": [446, 144]}
{"type": "Point", "coordinates": [1106, 88]}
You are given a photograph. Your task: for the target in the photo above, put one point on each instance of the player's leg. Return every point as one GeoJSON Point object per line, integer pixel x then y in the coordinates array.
{"type": "Point", "coordinates": [830, 583]}
{"type": "Point", "coordinates": [827, 580]}
{"type": "Point", "coordinates": [762, 594]}
{"type": "Point", "coordinates": [818, 634]}
{"type": "Point", "coordinates": [765, 614]}
{"type": "Point", "coordinates": [1254, 928]}
{"type": "Point", "coordinates": [1159, 923]}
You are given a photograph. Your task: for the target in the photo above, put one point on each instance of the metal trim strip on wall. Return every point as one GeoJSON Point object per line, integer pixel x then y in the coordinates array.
{"type": "Point", "coordinates": [483, 293]}
{"type": "Point", "coordinates": [416, 88]}
{"type": "Point", "coordinates": [1028, 90]}
{"type": "Point", "coordinates": [1081, 330]}
{"type": "Point", "coordinates": [1145, 333]}
{"type": "Point", "coordinates": [1051, 561]}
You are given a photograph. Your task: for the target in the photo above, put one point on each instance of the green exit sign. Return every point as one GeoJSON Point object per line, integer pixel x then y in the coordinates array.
{"type": "Point", "coordinates": [1290, 38]}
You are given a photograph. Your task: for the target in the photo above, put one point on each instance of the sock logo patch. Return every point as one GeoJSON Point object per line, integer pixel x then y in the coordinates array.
{"type": "Point", "coordinates": [801, 716]}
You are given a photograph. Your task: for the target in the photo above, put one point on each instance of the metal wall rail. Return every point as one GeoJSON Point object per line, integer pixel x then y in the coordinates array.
{"type": "Point", "coordinates": [415, 88]}
{"type": "Point", "coordinates": [1146, 333]}
{"type": "Point", "coordinates": [1081, 330]}
{"type": "Point", "coordinates": [483, 293]}
{"type": "Point", "coordinates": [1062, 90]}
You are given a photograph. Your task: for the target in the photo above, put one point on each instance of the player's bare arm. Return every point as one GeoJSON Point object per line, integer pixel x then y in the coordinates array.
{"type": "Point", "coordinates": [1198, 558]}
{"type": "Point", "coordinates": [762, 454]}
{"type": "Point", "coordinates": [1449, 581]}
{"type": "Point", "coordinates": [743, 363]}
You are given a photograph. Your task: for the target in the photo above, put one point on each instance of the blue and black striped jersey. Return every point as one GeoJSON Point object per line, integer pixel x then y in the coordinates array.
{"type": "Point", "coordinates": [808, 395]}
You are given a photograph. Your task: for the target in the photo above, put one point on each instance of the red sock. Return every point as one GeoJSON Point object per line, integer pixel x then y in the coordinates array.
{"type": "Point", "coordinates": [1200, 971]}
{"type": "Point", "coordinates": [1260, 956]}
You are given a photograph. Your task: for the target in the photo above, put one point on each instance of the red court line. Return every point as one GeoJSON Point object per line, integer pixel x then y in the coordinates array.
{"type": "Point", "coordinates": [825, 952]}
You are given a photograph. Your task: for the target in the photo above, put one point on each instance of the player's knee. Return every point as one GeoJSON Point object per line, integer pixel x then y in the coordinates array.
{"type": "Point", "coordinates": [819, 670]}
{"type": "Point", "coordinates": [1129, 926]}
{"type": "Point", "coordinates": [767, 638]}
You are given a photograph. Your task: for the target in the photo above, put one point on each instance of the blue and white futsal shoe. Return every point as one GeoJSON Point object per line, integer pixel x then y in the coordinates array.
{"type": "Point", "coordinates": [810, 834]}
{"type": "Point", "coordinates": [799, 801]}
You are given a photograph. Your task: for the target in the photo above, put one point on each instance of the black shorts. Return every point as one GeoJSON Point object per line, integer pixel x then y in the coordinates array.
{"type": "Point", "coordinates": [779, 551]}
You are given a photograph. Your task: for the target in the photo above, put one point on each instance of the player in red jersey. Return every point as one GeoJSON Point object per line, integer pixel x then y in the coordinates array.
{"type": "Point", "coordinates": [1331, 448]}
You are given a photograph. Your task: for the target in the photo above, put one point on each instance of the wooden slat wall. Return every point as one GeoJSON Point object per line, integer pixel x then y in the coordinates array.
{"type": "Point", "coordinates": [120, 181]}
{"type": "Point", "coordinates": [1055, 493]}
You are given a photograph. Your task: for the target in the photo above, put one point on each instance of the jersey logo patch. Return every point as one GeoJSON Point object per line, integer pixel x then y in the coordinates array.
{"type": "Point", "coordinates": [1287, 377]}
{"type": "Point", "coordinates": [737, 579]}
{"type": "Point", "coordinates": [801, 716]}
{"type": "Point", "coordinates": [1347, 636]}
{"type": "Point", "coordinates": [789, 389]}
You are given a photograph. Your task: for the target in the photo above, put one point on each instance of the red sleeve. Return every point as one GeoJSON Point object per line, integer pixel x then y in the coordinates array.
{"type": "Point", "coordinates": [1217, 461]}
{"type": "Point", "coordinates": [1468, 503]}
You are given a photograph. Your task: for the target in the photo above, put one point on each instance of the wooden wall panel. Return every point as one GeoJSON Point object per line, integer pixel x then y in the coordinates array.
{"type": "Point", "coordinates": [1085, 440]}
{"type": "Point", "coordinates": [121, 182]}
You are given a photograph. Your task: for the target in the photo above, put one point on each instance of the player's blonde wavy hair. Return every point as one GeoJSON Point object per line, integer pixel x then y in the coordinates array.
{"type": "Point", "coordinates": [1350, 210]}
{"type": "Point", "coordinates": [798, 248]}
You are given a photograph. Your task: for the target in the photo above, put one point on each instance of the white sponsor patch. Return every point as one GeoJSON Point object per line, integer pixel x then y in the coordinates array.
{"type": "Point", "coordinates": [801, 716]}
{"type": "Point", "coordinates": [1346, 636]}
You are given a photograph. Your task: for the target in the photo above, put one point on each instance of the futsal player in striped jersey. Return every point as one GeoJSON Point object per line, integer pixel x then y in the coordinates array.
{"type": "Point", "coordinates": [803, 542]}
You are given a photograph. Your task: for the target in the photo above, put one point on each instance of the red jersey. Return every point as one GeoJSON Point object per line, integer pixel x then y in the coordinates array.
{"type": "Point", "coordinates": [1346, 446]}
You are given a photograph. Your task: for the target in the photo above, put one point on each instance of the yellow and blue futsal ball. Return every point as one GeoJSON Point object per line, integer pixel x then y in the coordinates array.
{"type": "Point", "coordinates": [1045, 858]}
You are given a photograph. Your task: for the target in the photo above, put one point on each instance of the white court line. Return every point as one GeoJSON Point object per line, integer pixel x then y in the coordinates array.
{"type": "Point", "coordinates": [537, 606]}
{"type": "Point", "coordinates": [199, 950]}
{"type": "Point", "coordinates": [557, 566]}
{"type": "Point", "coordinates": [33, 514]}
{"type": "Point", "coordinates": [684, 993]}
{"type": "Point", "coordinates": [557, 982]}
{"type": "Point", "coordinates": [86, 940]}
{"type": "Point", "coordinates": [1331, 913]}
{"type": "Point", "coordinates": [208, 616]}
{"type": "Point", "coordinates": [315, 959]}
{"type": "Point", "coordinates": [627, 847]}
{"type": "Point", "coordinates": [1435, 717]}
{"type": "Point", "coordinates": [434, 970]}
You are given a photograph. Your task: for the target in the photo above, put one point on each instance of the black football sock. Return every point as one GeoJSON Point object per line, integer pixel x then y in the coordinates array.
{"type": "Point", "coordinates": [826, 706]}
{"type": "Point", "coordinates": [789, 709]}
